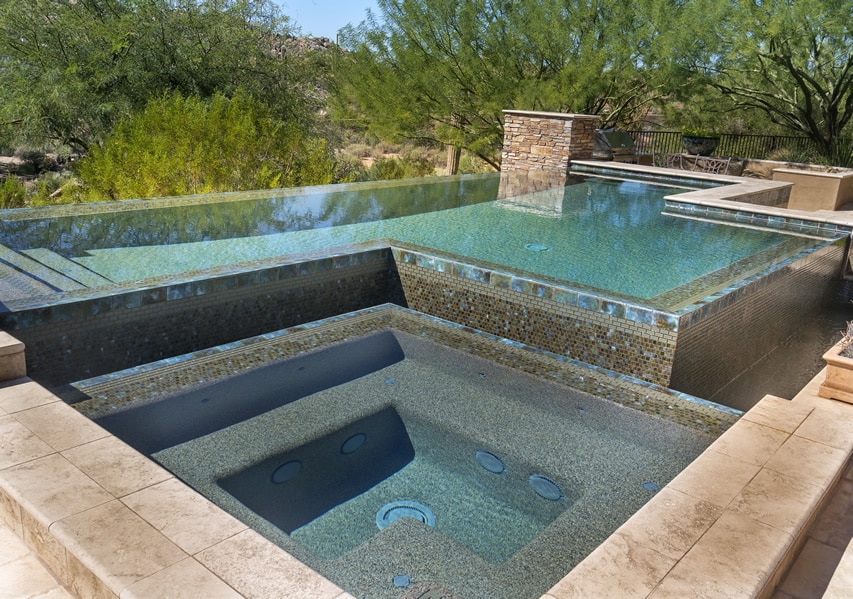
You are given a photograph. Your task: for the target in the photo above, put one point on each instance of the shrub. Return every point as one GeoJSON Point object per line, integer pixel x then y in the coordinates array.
{"type": "Point", "coordinates": [44, 186]}
{"type": "Point", "coordinates": [13, 194]}
{"type": "Point", "coordinates": [470, 164]}
{"type": "Point", "coordinates": [349, 169]}
{"type": "Point", "coordinates": [400, 168]}
{"type": "Point", "coordinates": [183, 145]}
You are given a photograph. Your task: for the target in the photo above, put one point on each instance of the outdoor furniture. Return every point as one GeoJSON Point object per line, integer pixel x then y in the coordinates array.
{"type": "Point", "coordinates": [694, 163]}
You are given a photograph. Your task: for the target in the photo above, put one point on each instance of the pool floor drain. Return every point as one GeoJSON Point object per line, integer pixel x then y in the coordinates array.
{"type": "Point", "coordinates": [537, 247]}
{"type": "Point", "coordinates": [395, 510]}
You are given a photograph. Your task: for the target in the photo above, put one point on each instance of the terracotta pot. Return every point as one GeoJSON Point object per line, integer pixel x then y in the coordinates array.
{"type": "Point", "coordinates": [839, 375]}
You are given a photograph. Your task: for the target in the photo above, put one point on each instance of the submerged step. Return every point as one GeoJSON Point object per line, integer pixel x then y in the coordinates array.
{"type": "Point", "coordinates": [69, 268]}
{"type": "Point", "coordinates": [15, 285]}
{"type": "Point", "coordinates": [57, 281]}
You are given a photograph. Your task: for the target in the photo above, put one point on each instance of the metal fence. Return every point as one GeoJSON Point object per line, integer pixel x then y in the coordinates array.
{"type": "Point", "coordinates": [739, 145]}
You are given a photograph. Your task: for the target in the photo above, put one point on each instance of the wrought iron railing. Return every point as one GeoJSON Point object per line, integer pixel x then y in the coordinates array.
{"type": "Point", "coordinates": [731, 144]}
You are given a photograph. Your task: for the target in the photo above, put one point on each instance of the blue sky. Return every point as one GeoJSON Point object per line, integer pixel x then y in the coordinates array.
{"type": "Point", "coordinates": [323, 18]}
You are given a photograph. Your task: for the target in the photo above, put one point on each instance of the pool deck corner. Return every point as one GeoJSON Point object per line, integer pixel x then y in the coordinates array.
{"type": "Point", "coordinates": [733, 523]}
{"type": "Point", "coordinates": [108, 522]}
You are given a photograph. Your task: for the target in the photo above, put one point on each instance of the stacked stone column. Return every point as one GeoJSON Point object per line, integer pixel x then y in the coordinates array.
{"type": "Point", "coordinates": [539, 146]}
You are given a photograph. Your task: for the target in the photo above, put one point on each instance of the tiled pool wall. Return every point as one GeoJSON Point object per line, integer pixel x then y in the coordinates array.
{"type": "Point", "coordinates": [178, 374]}
{"type": "Point", "coordinates": [74, 339]}
{"type": "Point", "coordinates": [598, 331]}
{"type": "Point", "coordinates": [717, 341]}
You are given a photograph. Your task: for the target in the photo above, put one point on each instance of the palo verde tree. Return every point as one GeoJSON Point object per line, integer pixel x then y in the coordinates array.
{"type": "Point", "coordinates": [790, 61]}
{"type": "Point", "coordinates": [445, 70]}
{"type": "Point", "coordinates": [70, 69]}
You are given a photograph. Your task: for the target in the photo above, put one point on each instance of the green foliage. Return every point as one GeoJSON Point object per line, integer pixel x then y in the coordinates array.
{"type": "Point", "coordinates": [181, 145]}
{"type": "Point", "coordinates": [71, 70]}
{"type": "Point", "coordinates": [400, 168]}
{"type": "Point", "coordinates": [445, 70]}
{"type": "Point", "coordinates": [349, 169]}
{"type": "Point", "coordinates": [470, 164]}
{"type": "Point", "coordinates": [790, 62]}
{"type": "Point", "coordinates": [13, 194]}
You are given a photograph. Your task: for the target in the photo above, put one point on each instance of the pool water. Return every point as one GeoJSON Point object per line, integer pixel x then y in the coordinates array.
{"type": "Point", "coordinates": [610, 236]}
{"type": "Point", "coordinates": [494, 535]}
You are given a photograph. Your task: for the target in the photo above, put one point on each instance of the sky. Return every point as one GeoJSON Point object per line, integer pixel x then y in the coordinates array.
{"type": "Point", "coordinates": [323, 18]}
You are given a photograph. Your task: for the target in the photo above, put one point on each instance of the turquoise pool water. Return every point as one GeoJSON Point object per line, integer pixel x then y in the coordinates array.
{"type": "Point", "coordinates": [609, 234]}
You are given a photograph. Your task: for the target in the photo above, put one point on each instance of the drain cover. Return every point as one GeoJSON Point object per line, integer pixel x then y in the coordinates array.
{"type": "Point", "coordinates": [536, 247]}
{"type": "Point", "coordinates": [489, 461]}
{"type": "Point", "coordinates": [545, 487]}
{"type": "Point", "coordinates": [395, 510]}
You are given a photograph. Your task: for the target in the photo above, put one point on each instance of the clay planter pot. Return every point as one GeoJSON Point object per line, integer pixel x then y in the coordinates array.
{"type": "Point", "coordinates": [839, 375]}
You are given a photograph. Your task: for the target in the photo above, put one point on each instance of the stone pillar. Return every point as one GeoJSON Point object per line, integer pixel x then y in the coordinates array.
{"type": "Point", "coordinates": [539, 147]}
{"type": "Point", "coordinates": [546, 141]}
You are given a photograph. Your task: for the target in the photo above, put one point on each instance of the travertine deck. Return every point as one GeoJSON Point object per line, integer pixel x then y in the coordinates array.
{"type": "Point", "coordinates": [110, 523]}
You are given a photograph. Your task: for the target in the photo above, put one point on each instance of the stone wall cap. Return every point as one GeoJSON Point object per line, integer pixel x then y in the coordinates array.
{"type": "Point", "coordinates": [552, 115]}
{"type": "Point", "coordinates": [9, 345]}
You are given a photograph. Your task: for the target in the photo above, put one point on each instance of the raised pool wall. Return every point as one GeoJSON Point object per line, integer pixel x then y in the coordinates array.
{"type": "Point", "coordinates": [86, 334]}
{"type": "Point", "coordinates": [97, 333]}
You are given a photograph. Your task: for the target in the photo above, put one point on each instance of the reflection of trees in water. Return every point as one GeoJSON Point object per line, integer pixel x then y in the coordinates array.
{"type": "Point", "coordinates": [621, 225]}
{"type": "Point", "coordinates": [73, 235]}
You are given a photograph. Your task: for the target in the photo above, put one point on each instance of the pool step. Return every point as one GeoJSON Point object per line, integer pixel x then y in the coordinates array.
{"type": "Point", "coordinates": [69, 268]}
{"type": "Point", "coordinates": [54, 281]}
{"type": "Point", "coordinates": [15, 285]}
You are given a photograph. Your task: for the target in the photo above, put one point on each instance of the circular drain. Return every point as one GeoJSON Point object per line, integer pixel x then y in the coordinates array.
{"type": "Point", "coordinates": [395, 510]}
{"type": "Point", "coordinates": [545, 487]}
{"type": "Point", "coordinates": [536, 247]}
{"type": "Point", "coordinates": [353, 444]}
{"type": "Point", "coordinates": [286, 472]}
{"type": "Point", "coordinates": [490, 461]}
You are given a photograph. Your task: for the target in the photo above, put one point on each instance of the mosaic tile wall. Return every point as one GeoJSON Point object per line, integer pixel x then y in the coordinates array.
{"type": "Point", "coordinates": [86, 338]}
{"type": "Point", "coordinates": [172, 376]}
{"type": "Point", "coordinates": [717, 345]}
{"type": "Point", "coordinates": [640, 349]}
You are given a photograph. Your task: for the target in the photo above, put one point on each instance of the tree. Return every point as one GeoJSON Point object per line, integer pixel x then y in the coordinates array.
{"type": "Point", "coordinates": [791, 61]}
{"type": "Point", "coordinates": [445, 70]}
{"type": "Point", "coordinates": [69, 70]}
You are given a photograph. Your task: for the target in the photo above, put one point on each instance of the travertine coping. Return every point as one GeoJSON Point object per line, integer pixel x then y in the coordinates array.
{"type": "Point", "coordinates": [13, 363]}
{"type": "Point", "coordinates": [111, 523]}
{"type": "Point", "coordinates": [566, 116]}
{"type": "Point", "coordinates": [732, 522]}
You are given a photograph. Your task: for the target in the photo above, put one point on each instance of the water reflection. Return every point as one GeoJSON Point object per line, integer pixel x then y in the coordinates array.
{"type": "Point", "coordinates": [282, 212]}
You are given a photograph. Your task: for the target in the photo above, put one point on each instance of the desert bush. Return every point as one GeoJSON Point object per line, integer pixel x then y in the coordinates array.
{"type": "Point", "coordinates": [13, 194]}
{"type": "Point", "coordinates": [798, 156]}
{"type": "Point", "coordinates": [183, 145]}
{"type": "Point", "coordinates": [360, 150]}
{"type": "Point", "coordinates": [399, 168]}
{"type": "Point", "coordinates": [349, 169]}
{"type": "Point", "coordinates": [470, 164]}
{"type": "Point", "coordinates": [45, 186]}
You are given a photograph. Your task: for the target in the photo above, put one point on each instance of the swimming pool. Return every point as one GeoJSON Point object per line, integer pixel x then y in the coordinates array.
{"type": "Point", "coordinates": [495, 534]}
{"type": "Point", "coordinates": [710, 280]}
{"type": "Point", "coordinates": [612, 236]}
